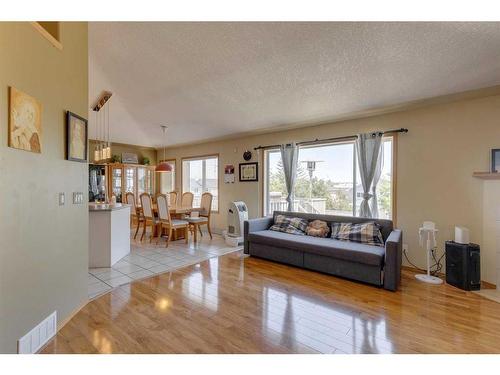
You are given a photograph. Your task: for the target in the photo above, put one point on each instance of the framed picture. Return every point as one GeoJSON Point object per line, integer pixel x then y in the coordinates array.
{"type": "Point", "coordinates": [495, 160]}
{"type": "Point", "coordinates": [129, 158]}
{"type": "Point", "coordinates": [229, 174]}
{"type": "Point", "coordinates": [249, 172]}
{"type": "Point", "coordinates": [25, 122]}
{"type": "Point", "coordinates": [76, 137]}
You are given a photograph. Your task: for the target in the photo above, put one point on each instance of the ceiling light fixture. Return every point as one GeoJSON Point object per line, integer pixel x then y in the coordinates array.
{"type": "Point", "coordinates": [164, 166]}
{"type": "Point", "coordinates": [102, 150]}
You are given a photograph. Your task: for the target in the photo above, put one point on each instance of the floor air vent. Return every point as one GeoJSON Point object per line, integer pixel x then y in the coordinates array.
{"type": "Point", "coordinates": [31, 342]}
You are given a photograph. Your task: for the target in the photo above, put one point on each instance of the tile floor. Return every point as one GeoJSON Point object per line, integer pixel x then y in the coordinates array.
{"type": "Point", "coordinates": [146, 260]}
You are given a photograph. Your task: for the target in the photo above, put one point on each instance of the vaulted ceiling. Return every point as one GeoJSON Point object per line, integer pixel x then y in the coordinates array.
{"type": "Point", "coordinates": [209, 80]}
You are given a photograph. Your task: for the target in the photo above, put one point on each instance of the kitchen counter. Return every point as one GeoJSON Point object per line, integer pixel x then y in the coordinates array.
{"type": "Point", "coordinates": [109, 233]}
{"type": "Point", "coordinates": [107, 207]}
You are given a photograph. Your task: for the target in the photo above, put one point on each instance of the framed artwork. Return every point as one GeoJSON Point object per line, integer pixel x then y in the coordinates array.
{"type": "Point", "coordinates": [129, 158]}
{"type": "Point", "coordinates": [249, 172]}
{"type": "Point", "coordinates": [495, 160]}
{"type": "Point", "coordinates": [229, 174]}
{"type": "Point", "coordinates": [25, 121]}
{"type": "Point", "coordinates": [76, 137]}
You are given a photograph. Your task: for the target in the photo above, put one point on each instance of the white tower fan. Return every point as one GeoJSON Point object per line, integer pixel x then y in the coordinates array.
{"type": "Point", "coordinates": [236, 216]}
{"type": "Point", "coordinates": [427, 233]}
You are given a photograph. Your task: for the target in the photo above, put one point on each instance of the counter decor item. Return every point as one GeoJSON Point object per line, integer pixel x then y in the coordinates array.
{"type": "Point", "coordinates": [76, 137]}
{"type": "Point", "coordinates": [25, 121]}
{"type": "Point", "coordinates": [116, 159]}
{"type": "Point", "coordinates": [146, 161]}
{"type": "Point", "coordinates": [248, 172]}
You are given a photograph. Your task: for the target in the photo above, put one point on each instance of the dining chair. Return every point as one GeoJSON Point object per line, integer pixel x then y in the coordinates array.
{"type": "Point", "coordinates": [172, 198]}
{"type": "Point", "coordinates": [135, 211]}
{"type": "Point", "coordinates": [165, 221]}
{"type": "Point", "coordinates": [204, 215]}
{"type": "Point", "coordinates": [147, 213]}
{"type": "Point", "coordinates": [187, 199]}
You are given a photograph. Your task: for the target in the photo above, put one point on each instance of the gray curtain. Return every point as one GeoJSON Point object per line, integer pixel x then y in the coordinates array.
{"type": "Point", "coordinates": [369, 151]}
{"type": "Point", "coordinates": [289, 158]}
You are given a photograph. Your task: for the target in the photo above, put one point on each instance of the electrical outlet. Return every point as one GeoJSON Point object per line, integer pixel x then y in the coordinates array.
{"type": "Point", "coordinates": [62, 199]}
{"type": "Point", "coordinates": [405, 247]}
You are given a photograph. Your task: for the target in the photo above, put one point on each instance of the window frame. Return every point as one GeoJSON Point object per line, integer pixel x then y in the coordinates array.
{"type": "Point", "coordinates": [393, 138]}
{"type": "Point", "coordinates": [203, 157]}
{"type": "Point", "coordinates": [171, 161]}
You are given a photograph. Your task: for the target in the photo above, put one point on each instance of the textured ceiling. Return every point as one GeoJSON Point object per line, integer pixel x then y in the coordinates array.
{"type": "Point", "coordinates": [208, 80]}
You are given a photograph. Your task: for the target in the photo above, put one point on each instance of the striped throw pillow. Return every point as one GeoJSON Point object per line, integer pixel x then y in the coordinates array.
{"type": "Point", "coordinates": [365, 233]}
{"type": "Point", "coordinates": [291, 225]}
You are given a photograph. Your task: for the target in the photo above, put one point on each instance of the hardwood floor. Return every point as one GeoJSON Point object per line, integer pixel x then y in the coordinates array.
{"type": "Point", "coordinates": [237, 304]}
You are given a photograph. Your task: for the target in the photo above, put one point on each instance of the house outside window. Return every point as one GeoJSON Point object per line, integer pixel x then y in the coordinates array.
{"type": "Point", "coordinates": [327, 182]}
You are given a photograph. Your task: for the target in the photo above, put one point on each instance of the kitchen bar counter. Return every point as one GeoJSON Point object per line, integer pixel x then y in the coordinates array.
{"type": "Point", "coordinates": [109, 234]}
{"type": "Point", "coordinates": [107, 207]}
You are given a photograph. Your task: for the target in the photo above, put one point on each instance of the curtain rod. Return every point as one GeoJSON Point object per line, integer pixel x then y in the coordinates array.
{"type": "Point", "coordinates": [345, 138]}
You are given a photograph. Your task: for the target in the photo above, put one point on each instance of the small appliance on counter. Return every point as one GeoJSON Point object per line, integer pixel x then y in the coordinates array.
{"type": "Point", "coordinates": [463, 262]}
{"type": "Point", "coordinates": [97, 183]}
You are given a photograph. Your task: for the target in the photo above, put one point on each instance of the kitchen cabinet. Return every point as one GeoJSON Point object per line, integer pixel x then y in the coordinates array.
{"type": "Point", "coordinates": [133, 178]}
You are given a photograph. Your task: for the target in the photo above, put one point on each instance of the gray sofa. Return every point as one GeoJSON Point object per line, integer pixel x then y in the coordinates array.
{"type": "Point", "coordinates": [375, 265]}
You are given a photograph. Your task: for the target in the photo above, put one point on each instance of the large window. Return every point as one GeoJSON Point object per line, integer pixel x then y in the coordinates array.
{"type": "Point", "coordinates": [327, 181]}
{"type": "Point", "coordinates": [167, 179]}
{"type": "Point", "coordinates": [200, 175]}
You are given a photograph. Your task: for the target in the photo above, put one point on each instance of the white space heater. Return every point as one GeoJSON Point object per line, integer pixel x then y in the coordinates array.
{"type": "Point", "coordinates": [236, 216]}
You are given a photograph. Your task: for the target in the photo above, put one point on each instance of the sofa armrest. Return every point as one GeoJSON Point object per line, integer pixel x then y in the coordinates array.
{"type": "Point", "coordinates": [393, 259]}
{"type": "Point", "coordinates": [254, 225]}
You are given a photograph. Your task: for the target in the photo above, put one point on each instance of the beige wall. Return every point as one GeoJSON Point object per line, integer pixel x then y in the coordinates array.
{"type": "Point", "coordinates": [444, 145]}
{"type": "Point", "coordinates": [43, 246]}
{"type": "Point", "coordinates": [119, 148]}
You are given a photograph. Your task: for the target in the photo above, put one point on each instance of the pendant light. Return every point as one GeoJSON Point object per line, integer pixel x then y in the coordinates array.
{"type": "Point", "coordinates": [163, 166]}
{"type": "Point", "coordinates": [102, 150]}
{"type": "Point", "coordinates": [97, 157]}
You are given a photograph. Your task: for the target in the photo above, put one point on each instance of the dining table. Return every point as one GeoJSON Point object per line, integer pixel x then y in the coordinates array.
{"type": "Point", "coordinates": [176, 212]}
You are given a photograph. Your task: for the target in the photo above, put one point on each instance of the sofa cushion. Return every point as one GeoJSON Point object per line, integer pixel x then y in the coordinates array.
{"type": "Point", "coordinates": [318, 228]}
{"type": "Point", "coordinates": [367, 233]}
{"type": "Point", "coordinates": [386, 226]}
{"type": "Point", "coordinates": [291, 225]}
{"type": "Point", "coordinates": [351, 251]}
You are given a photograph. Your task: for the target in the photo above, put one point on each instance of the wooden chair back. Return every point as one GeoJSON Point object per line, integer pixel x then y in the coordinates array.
{"type": "Point", "coordinates": [187, 199]}
{"type": "Point", "coordinates": [163, 212]}
{"type": "Point", "coordinates": [206, 204]}
{"type": "Point", "coordinates": [147, 206]}
{"type": "Point", "coordinates": [172, 198]}
{"type": "Point", "coordinates": [130, 199]}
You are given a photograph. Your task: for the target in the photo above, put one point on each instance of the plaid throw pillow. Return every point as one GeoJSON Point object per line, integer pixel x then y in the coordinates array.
{"type": "Point", "coordinates": [365, 233]}
{"type": "Point", "coordinates": [292, 225]}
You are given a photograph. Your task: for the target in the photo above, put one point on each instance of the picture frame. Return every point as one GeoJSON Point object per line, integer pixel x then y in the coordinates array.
{"type": "Point", "coordinates": [495, 160]}
{"type": "Point", "coordinates": [129, 158]}
{"type": "Point", "coordinates": [229, 174]}
{"type": "Point", "coordinates": [25, 121]}
{"type": "Point", "coordinates": [249, 172]}
{"type": "Point", "coordinates": [76, 138]}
